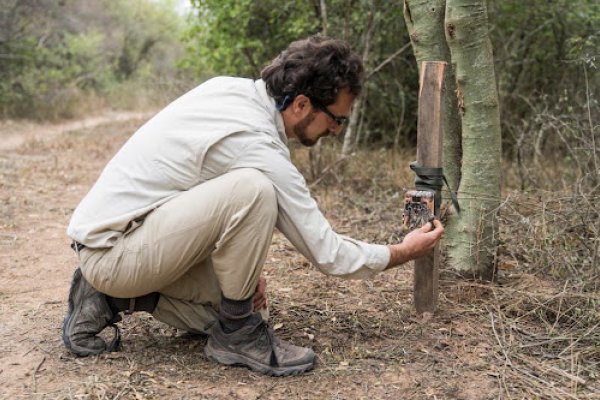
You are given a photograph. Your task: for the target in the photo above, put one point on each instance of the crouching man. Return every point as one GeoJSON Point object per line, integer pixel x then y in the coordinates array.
{"type": "Point", "coordinates": [180, 221]}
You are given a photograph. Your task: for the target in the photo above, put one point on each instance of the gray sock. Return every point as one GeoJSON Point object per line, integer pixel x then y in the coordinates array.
{"type": "Point", "coordinates": [233, 314]}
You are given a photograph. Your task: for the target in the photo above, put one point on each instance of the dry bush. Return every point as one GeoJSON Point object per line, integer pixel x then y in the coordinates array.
{"type": "Point", "coordinates": [552, 223]}
{"type": "Point", "coordinates": [549, 312]}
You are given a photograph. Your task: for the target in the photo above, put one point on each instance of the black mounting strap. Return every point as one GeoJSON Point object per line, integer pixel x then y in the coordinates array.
{"type": "Point", "coordinates": [432, 179]}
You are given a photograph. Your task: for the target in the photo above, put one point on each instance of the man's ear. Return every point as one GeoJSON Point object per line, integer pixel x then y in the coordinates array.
{"type": "Point", "coordinates": [301, 106]}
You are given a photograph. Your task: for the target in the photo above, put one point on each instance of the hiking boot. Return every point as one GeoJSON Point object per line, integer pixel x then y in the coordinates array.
{"type": "Point", "coordinates": [89, 313]}
{"type": "Point", "coordinates": [255, 346]}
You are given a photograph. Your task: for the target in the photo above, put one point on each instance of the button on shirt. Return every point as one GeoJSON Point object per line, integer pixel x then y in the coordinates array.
{"type": "Point", "coordinates": [222, 125]}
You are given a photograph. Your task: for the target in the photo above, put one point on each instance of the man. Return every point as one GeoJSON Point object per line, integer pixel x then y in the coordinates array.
{"type": "Point", "coordinates": [180, 221]}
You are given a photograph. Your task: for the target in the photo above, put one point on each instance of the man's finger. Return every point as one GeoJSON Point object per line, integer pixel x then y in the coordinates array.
{"type": "Point", "coordinates": [262, 284]}
{"type": "Point", "coordinates": [429, 226]}
{"type": "Point", "coordinates": [259, 303]}
{"type": "Point", "coordinates": [438, 227]}
{"type": "Point", "coordinates": [260, 297]}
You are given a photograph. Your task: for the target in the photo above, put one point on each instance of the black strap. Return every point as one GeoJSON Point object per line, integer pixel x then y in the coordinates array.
{"type": "Point", "coordinates": [432, 179]}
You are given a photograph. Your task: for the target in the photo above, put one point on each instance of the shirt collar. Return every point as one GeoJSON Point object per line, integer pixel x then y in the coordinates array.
{"type": "Point", "coordinates": [269, 102]}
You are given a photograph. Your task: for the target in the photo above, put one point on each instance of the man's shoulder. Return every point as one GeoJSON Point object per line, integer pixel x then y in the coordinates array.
{"type": "Point", "coordinates": [227, 83]}
{"type": "Point", "coordinates": [229, 92]}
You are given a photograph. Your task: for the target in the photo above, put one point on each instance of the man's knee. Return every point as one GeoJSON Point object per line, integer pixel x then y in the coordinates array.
{"type": "Point", "coordinates": [255, 184]}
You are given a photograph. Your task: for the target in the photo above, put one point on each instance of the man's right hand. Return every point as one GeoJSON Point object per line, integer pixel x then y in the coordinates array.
{"type": "Point", "coordinates": [260, 296]}
{"type": "Point", "coordinates": [416, 244]}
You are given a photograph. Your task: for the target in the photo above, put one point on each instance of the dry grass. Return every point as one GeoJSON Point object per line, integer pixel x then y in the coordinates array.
{"type": "Point", "coordinates": [542, 313]}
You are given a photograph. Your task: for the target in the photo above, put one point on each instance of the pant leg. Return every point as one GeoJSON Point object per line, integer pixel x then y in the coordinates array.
{"type": "Point", "coordinates": [189, 316]}
{"type": "Point", "coordinates": [191, 302]}
{"type": "Point", "coordinates": [229, 219]}
{"type": "Point", "coordinates": [182, 314]}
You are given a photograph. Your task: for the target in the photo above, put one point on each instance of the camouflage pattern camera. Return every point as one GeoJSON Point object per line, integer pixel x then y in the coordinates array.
{"type": "Point", "coordinates": [418, 208]}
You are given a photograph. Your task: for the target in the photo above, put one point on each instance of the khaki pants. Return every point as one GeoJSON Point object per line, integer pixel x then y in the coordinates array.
{"type": "Point", "coordinates": [209, 241]}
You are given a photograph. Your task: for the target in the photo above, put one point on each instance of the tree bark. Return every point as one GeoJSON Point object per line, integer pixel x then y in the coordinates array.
{"type": "Point", "coordinates": [425, 23]}
{"type": "Point", "coordinates": [473, 234]}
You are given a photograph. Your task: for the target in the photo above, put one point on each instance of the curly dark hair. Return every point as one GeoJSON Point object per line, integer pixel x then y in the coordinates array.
{"type": "Point", "coordinates": [317, 67]}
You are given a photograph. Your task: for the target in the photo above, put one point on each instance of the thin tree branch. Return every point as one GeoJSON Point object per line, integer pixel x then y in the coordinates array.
{"type": "Point", "coordinates": [388, 60]}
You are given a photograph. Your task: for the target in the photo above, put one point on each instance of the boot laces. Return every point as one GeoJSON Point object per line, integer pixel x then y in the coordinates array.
{"type": "Point", "coordinates": [266, 335]}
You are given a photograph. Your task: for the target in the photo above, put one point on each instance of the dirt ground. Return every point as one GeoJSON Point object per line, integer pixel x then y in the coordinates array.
{"type": "Point", "coordinates": [368, 340]}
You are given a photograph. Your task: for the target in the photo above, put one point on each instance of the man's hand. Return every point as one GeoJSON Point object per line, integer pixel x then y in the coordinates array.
{"type": "Point", "coordinates": [416, 244]}
{"type": "Point", "coordinates": [260, 296]}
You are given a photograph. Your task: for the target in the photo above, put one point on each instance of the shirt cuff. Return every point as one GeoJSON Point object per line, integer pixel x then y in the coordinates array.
{"type": "Point", "coordinates": [380, 257]}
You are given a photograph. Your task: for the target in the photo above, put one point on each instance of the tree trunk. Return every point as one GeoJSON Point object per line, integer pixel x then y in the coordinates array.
{"type": "Point", "coordinates": [425, 23]}
{"type": "Point", "coordinates": [456, 31]}
{"type": "Point", "coordinates": [323, 12]}
{"type": "Point", "coordinates": [350, 135]}
{"type": "Point", "coordinates": [314, 154]}
{"type": "Point", "coordinates": [473, 235]}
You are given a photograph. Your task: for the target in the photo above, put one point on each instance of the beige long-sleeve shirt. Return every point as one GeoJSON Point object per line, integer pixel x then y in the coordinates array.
{"type": "Point", "coordinates": [222, 125]}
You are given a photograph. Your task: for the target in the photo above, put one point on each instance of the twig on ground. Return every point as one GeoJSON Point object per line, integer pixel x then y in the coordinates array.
{"type": "Point", "coordinates": [593, 328]}
{"type": "Point", "coordinates": [35, 371]}
{"type": "Point", "coordinates": [506, 357]}
{"type": "Point", "coordinates": [267, 390]}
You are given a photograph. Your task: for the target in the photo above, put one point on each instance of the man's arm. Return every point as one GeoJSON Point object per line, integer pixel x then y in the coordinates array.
{"type": "Point", "coordinates": [416, 244]}
{"type": "Point", "coordinates": [301, 221]}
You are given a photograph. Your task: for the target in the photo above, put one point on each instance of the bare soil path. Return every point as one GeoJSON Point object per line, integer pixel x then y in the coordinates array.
{"type": "Point", "coordinates": [15, 133]}
{"type": "Point", "coordinates": [369, 342]}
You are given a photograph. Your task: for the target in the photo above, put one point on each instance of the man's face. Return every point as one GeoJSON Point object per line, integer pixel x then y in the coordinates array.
{"type": "Point", "coordinates": [317, 123]}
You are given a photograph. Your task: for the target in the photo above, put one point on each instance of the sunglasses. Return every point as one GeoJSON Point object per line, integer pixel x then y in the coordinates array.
{"type": "Point", "coordinates": [340, 121]}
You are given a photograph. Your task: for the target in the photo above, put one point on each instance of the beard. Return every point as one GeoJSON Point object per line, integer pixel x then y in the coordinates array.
{"type": "Point", "coordinates": [300, 131]}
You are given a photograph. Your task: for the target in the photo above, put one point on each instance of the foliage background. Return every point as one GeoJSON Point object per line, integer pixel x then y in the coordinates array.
{"type": "Point", "coordinates": [541, 52]}
{"type": "Point", "coordinates": [70, 57]}
{"type": "Point", "coordinates": [60, 59]}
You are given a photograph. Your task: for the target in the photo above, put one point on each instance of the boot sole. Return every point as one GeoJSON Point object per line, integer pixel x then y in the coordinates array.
{"type": "Point", "coordinates": [229, 358]}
